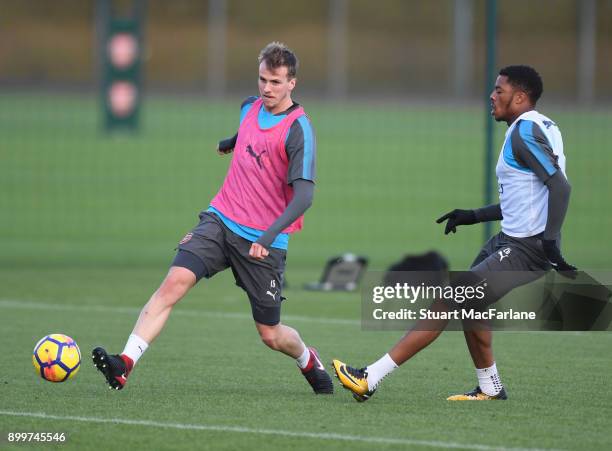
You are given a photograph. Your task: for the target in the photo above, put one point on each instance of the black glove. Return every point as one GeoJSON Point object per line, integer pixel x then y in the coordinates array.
{"type": "Point", "coordinates": [457, 217]}
{"type": "Point", "coordinates": [227, 145]}
{"type": "Point", "coordinates": [553, 254]}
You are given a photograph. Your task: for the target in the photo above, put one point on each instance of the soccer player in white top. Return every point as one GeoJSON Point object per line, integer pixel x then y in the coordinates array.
{"type": "Point", "coordinates": [534, 195]}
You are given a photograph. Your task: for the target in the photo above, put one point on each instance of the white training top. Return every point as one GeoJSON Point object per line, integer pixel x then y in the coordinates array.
{"type": "Point", "coordinates": [523, 195]}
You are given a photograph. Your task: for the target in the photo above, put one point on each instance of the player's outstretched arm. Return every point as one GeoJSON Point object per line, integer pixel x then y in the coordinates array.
{"type": "Point", "coordinates": [459, 217]}
{"type": "Point", "coordinates": [226, 146]}
{"type": "Point", "coordinates": [456, 218]}
{"type": "Point", "coordinates": [489, 213]}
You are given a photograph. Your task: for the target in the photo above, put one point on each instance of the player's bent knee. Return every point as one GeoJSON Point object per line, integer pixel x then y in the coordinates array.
{"type": "Point", "coordinates": [269, 336]}
{"type": "Point", "coordinates": [271, 342]}
{"type": "Point", "coordinates": [176, 284]}
{"type": "Point", "coordinates": [480, 336]}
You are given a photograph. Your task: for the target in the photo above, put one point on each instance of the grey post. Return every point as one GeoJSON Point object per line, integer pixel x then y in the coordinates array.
{"type": "Point", "coordinates": [337, 50]}
{"type": "Point", "coordinates": [463, 61]}
{"type": "Point", "coordinates": [217, 32]}
{"type": "Point", "coordinates": [587, 25]}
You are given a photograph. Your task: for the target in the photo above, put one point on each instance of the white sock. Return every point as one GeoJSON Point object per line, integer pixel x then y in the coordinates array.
{"type": "Point", "coordinates": [489, 380]}
{"type": "Point", "coordinates": [135, 347]}
{"type": "Point", "coordinates": [303, 360]}
{"type": "Point", "coordinates": [379, 369]}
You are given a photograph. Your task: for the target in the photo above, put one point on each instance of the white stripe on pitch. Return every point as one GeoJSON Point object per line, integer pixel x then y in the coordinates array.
{"type": "Point", "coordinates": [13, 303]}
{"type": "Point", "coordinates": [281, 433]}
{"type": "Point", "coordinates": [31, 305]}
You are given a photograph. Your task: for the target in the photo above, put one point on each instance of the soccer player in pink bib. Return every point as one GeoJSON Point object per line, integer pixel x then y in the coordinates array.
{"type": "Point", "coordinates": [246, 227]}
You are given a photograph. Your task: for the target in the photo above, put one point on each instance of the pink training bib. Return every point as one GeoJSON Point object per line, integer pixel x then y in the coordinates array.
{"type": "Point", "coordinates": [255, 191]}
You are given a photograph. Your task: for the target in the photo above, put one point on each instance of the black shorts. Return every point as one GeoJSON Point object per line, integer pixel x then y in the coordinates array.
{"type": "Point", "coordinates": [218, 248]}
{"type": "Point", "coordinates": [507, 263]}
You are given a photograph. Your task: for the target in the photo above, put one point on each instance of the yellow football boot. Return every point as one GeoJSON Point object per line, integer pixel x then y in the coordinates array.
{"type": "Point", "coordinates": [478, 395]}
{"type": "Point", "coordinates": [353, 379]}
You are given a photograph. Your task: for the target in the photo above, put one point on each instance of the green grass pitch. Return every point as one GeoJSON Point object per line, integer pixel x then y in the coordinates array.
{"type": "Point", "coordinates": [89, 224]}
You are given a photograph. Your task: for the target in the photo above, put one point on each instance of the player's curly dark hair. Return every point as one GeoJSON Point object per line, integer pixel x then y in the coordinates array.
{"type": "Point", "coordinates": [526, 79]}
{"type": "Point", "coordinates": [276, 54]}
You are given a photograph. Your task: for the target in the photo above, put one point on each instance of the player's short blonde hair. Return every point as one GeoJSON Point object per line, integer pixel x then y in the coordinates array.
{"type": "Point", "coordinates": [276, 54]}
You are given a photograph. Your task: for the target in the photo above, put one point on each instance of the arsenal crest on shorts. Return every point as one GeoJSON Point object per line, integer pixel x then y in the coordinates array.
{"type": "Point", "coordinates": [186, 238]}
